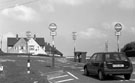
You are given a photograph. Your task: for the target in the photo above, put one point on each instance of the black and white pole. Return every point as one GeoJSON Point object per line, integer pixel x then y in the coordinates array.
{"type": "Point", "coordinates": [28, 34]}
{"type": "Point", "coordinates": [28, 65]}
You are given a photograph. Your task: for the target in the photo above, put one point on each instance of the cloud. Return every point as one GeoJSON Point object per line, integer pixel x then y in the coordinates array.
{"type": "Point", "coordinates": [128, 4]}
{"type": "Point", "coordinates": [92, 33]}
{"type": "Point", "coordinates": [6, 35]}
{"type": "Point", "coordinates": [21, 12]}
{"type": "Point", "coordinates": [70, 2]}
{"type": "Point", "coordinates": [133, 30]}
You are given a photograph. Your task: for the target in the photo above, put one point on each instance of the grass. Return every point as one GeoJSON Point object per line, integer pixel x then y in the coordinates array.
{"type": "Point", "coordinates": [15, 69]}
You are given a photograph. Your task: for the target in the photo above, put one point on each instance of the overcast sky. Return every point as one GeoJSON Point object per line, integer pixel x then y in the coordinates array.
{"type": "Point", "coordinates": [93, 20]}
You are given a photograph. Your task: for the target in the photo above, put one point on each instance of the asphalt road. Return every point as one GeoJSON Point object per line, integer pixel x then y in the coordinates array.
{"type": "Point", "coordinates": [73, 73]}
{"type": "Point", "coordinates": [41, 72]}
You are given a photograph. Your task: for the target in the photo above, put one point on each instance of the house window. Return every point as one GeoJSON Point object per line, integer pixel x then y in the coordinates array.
{"type": "Point", "coordinates": [15, 48]}
{"type": "Point", "coordinates": [31, 47]}
{"type": "Point", "coordinates": [22, 48]}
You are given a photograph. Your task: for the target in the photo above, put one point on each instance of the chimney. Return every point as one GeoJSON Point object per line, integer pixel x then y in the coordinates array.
{"type": "Point", "coordinates": [34, 37]}
{"type": "Point", "coordinates": [17, 36]}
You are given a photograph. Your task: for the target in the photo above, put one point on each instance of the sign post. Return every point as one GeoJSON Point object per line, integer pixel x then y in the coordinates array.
{"type": "Point", "coordinates": [52, 28]}
{"type": "Point", "coordinates": [118, 28]}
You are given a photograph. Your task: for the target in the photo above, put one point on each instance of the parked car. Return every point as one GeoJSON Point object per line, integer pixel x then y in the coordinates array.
{"type": "Point", "coordinates": [109, 63]}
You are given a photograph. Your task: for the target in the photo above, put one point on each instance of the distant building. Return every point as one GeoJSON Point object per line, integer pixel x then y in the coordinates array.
{"type": "Point", "coordinates": [35, 45]}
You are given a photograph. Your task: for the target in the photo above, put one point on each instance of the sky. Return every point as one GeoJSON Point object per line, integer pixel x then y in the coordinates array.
{"type": "Point", "coordinates": [93, 20]}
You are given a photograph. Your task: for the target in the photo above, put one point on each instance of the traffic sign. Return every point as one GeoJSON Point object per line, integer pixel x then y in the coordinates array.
{"type": "Point", "coordinates": [118, 27]}
{"type": "Point", "coordinates": [117, 33]}
{"type": "Point", "coordinates": [53, 33]}
{"type": "Point", "coordinates": [53, 27]}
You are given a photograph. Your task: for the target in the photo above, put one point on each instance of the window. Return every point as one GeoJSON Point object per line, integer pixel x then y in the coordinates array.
{"type": "Point", "coordinates": [115, 57]}
{"type": "Point", "coordinates": [93, 57]}
{"type": "Point", "coordinates": [99, 57]}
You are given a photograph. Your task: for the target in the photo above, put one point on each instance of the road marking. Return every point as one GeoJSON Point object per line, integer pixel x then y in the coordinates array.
{"type": "Point", "coordinates": [132, 79]}
{"type": "Point", "coordinates": [63, 80]}
{"type": "Point", "coordinates": [82, 70]}
{"type": "Point", "coordinates": [57, 77]}
{"type": "Point", "coordinates": [72, 75]}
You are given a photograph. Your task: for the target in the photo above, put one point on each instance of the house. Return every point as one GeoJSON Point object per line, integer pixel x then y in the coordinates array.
{"type": "Point", "coordinates": [23, 45]}
{"type": "Point", "coordinates": [35, 45]}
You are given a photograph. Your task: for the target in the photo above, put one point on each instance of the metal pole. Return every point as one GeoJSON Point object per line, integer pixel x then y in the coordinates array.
{"type": "Point", "coordinates": [118, 43]}
{"type": "Point", "coordinates": [53, 59]}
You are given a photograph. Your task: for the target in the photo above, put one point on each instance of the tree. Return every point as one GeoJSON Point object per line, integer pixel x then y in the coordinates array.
{"type": "Point", "coordinates": [129, 49]}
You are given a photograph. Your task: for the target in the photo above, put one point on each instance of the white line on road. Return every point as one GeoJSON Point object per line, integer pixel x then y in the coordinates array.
{"type": "Point", "coordinates": [63, 80]}
{"type": "Point", "coordinates": [57, 77]}
{"type": "Point", "coordinates": [82, 70]}
{"type": "Point", "coordinates": [72, 75]}
{"type": "Point", "coordinates": [132, 79]}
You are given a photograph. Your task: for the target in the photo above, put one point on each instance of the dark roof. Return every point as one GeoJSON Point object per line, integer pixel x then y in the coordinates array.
{"type": "Point", "coordinates": [1, 51]}
{"type": "Point", "coordinates": [12, 41]}
{"type": "Point", "coordinates": [40, 41]}
{"type": "Point", "coordinates": [50, 48]}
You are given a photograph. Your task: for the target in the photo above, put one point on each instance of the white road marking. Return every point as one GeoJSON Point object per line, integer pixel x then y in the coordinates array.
{"type": "Point", "coordinates": [58, 77]}
{"type": "Point", "coordinates": [82, 70]}
{"type": "Point", "coordinates": [72, 75]}
{"type": "Point", "coordinates": [132, 79]}
{"type": "Point", "coordinates": [63, 80]}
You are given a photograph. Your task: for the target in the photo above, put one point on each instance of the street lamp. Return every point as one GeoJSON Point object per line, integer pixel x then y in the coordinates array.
{"type": "Point", "coordinates": [74, 34]}
{"type": "Point", "coordinates": [118, 28]}
{"type": "Point", "coordinates": [28, 34]}
{"type": "Point", "coordinates": [52, 28]}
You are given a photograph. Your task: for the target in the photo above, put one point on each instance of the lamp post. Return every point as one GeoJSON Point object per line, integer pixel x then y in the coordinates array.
{"type": "Point", "coordinates": [28, 34]}
{"type": "Point", "coordinates": [118, 28]}
{"type": "Point", "coordinates": [52, 28]}
{"type": "Point", "coordinates": [74, 34]}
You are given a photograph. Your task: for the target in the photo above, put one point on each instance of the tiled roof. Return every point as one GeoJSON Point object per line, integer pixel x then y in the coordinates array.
{"type": "Point", "coordinates": [12, 41]}
{"type": "Point", "coordinates": [50, 48]}
{"type": "Point", "coordinates": [40, 41]}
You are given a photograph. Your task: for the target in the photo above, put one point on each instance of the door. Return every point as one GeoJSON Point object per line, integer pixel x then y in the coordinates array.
{"type": "Point", "coordinates": [91, 65]}
{"type": "Point", "coordinates": [97, 63]}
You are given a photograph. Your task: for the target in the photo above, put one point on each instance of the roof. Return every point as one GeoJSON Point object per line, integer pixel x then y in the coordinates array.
{"type": "Point", "coordinates": [12, 41]}
{"type": "Point", "coordinates": [40, 41]}
{"type": "Point", "coordinates": [107, 52]}
{"type": "Point", "coordinates": [49, 48]}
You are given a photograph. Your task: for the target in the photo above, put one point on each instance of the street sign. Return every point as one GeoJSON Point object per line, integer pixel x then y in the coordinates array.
{"type": "Point", "coordinates": [53, 33]}
{"type": "Point", "coordinates": [117, 33]}
{"type": "Point", "coordinates": [118, 27]}
{"type": "Point", "coordinates": [53, 27]}
{"type": "Point", "coordinates": [28, 34]}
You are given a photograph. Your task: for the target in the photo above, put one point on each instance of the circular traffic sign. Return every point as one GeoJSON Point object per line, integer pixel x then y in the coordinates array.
{"type": "Point", "coordinates": [118, 27]}
{"type": "Point", "coordinates": [28, 34]}
{"type": "Point", "coordinates": [53, 27]}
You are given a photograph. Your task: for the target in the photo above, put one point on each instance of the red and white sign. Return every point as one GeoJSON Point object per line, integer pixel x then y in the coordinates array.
{"type": "Point", "coordinates": [118, 27]}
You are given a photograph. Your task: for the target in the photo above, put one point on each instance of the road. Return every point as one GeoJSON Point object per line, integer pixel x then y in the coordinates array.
{"type": "Point", "coordinates": [74, 74]}
{"type": "Point", "coordinates": [64, 72]}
